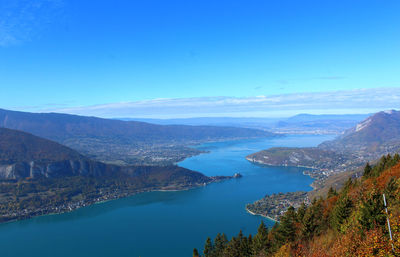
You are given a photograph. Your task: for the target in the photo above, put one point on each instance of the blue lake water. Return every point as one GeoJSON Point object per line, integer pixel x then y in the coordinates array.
{"type": "Point", "coordinates": [164, 224]}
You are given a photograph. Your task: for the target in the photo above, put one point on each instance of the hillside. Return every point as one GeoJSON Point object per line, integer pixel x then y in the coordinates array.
{"type": "Point", "coordinates": [352, 222]}
{"type": "Point", "coordinates": [311, 157]}
{"type": "Point", "coordinates": [122, 142]}
{"type": "Point", "coordinates": [38, 176]}
{"type": "Point", "coordinates": [17, 146]}
{"type": "Point", "coordinates": [378, 134]}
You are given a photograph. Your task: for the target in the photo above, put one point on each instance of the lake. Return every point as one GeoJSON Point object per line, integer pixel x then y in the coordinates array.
{"type": "Point", "coordinates": [165, 224]}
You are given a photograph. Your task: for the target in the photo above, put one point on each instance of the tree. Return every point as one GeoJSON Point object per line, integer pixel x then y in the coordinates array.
{"type": "Point", "coordinates": [208, 248]}
{"type": "Point", "coordinates": [341, 212]}
{"type": "Point", "coordinates": [300, 212]}
{"type": "Point", "coordinates": [332, 192]}
{"type": "Point", "coordinates": [233, 248]}
{"type": "Point", "coordinates": [372, 212]}
{"type": "Point", "coordinates": [313, 220]}
{"type": "Point", "coordinates": [367, 170]}
{"type": "Point", "coordinates": [286, 230]}
{"type": "Point", "coordinates": [195, 253]}
{"type": "Point", "coordinates": [245, 247]}
{"type": "Point", "coordinates": [220, 243]}
{"type": "Point", "coordinates": [260, 240]}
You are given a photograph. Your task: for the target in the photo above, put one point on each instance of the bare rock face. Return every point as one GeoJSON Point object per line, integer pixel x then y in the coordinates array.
{"type": "Point", "coordinates": [25, 156]}
{"type": "Point", "coordinates": [33, 170]}
{"type": "Point", "coordinates": [377, 135]}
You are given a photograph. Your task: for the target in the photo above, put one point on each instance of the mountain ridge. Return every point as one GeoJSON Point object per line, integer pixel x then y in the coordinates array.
{"type": "Point", "coordinates": [127, 142]}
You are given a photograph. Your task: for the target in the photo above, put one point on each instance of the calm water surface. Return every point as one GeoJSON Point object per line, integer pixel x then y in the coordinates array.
{"type": "Point", "coordinates": [159, 224]}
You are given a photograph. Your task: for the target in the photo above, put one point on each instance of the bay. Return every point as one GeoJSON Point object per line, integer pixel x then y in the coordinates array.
{"type": "Point", "coordinates": [165, 223]}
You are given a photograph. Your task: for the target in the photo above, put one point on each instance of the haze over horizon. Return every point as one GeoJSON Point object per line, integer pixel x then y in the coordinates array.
{"type": "Point", "coordinates": [180, 59]}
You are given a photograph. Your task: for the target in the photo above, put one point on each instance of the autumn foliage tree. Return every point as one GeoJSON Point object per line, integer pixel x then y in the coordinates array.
{"type": "Point", "coordinates": [349, 222]}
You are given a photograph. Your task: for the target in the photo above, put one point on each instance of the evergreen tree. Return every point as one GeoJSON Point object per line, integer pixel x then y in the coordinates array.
{"type": "Point", "coordinates": [390, 190]}
{"type": "Point", "coordinates": [195, 253]}
{"type": "Point", "coordinates": [233, 248]}
{"type": "Point", "coordinates": [208, 248]}
{"type": "Point", "coordinates": [396, 158]}
{"type": "Point", "coordinates": [313, 220]}
{"type": "Point", "coordinates": [220, 243]}
{"type": "Point", "coordinates": [341, 212]}
{"type": "Point", "coordinates": [367, 170]}
{"type": "Point", "coordinates": [286, 230]}
{"type": "Point", "coordinates": [331, 192]}
{"type": "Point", "coordinates": [250, 242]}
{"type": "Point", "coordinates": [347, 186]}
{"type": "Point", "coordinates": [372, 212]}
{"type": "Point", "coordinates": [260, 240]}
{"type": "Point", "coordinates": [300, 212]}
{"type": "Point", "coordinates": [244, 248]}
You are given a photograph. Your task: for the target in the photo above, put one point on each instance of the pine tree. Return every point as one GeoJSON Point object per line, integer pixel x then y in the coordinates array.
{"type": "Point", "coordinates": [372, 212]}
{"type": "Point", "coordinates": [244, 248]}
{"type": "Point", "coordinates": [331, 192]}
{"type": "Point", "coordinates": [260, 240]}
{"type": "Point", "coordinates": [300, 212]}
{"type": "Point", "coordinates": [367, 170]}
{"type": "Point", "coordinates": [286, 230]}
{"type": "Point", "coordinates": [313, 220]}
{"type": "Point", "coordinates": [195, 253]}
{"type": "Point", "coordinates": [208, 248]}
{"type": "Point", "coordinates": [220, 243]}
{"type": "Point", "coordinates": [341, 212]}
{"type": "Point", "coordinates": [233, 248]}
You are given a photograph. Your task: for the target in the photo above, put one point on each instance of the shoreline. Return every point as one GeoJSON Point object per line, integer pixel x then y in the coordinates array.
{"type": "Point", "coordinates": [276, 165]}
{"type": "Point", "coordinates": [264, 216]}
{"type": "Point", "coordinates": [112, 198]}
{"type": "Point", "coordinates": [97, 201]}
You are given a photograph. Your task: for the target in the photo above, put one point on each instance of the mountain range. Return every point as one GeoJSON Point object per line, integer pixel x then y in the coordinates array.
{"type": "Point", "coordinates": [298, 124]}
{"type": "Point", "coordinates": [122, 142]}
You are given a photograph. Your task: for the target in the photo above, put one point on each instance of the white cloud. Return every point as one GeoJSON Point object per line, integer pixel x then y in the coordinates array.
{"type": "Point", "coordinates": [352, 101]}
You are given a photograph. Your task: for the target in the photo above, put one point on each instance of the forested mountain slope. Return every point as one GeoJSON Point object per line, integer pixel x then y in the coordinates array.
{"type": "Point", "coordinates": [352, 222]}
{"type": "Point", "coordinates": [38, 176]}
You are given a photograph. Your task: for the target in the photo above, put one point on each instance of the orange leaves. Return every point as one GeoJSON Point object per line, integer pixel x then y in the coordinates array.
{"type": "Point", "coordinates": [387, 175]}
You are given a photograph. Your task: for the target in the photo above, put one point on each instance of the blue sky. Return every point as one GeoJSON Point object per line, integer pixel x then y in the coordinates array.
{"type": "Point", "coordinates": [74, 56]}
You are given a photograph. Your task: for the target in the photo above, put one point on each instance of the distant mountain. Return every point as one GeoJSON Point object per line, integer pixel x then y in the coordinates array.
{"type": "Point", "coordinates": [23, 155]}
{"type": "Point", "coordinates": [318, 124]}
{"type": "Point", "coordinates": [378, 134]}
{"type": "Point", "coordinates": [303, 117]}
{"type": "Point", "coordinates": [125, 142]}
{"type": "Point", "coordinates": [63, 126]}
{"type": "Point", "coordinates": [298, 124]}
{"type": "Point", "coordinates": [212, 121]}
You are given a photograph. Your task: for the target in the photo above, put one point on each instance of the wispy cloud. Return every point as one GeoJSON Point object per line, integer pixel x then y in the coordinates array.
{"type": "Point", "coordinates": [352, 101]}
{"type": "Point", "coordinates": [22, 20]}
